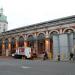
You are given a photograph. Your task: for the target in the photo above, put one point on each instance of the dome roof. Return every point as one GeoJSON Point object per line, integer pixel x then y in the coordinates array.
{"type": "Point", "coordinates": [3, 18]}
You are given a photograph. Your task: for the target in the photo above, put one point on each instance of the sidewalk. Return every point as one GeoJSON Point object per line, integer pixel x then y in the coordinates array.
{"type": "Point", "coordinates": [37, 59]}
{"type": "Point", "coordinates": [6, 57]}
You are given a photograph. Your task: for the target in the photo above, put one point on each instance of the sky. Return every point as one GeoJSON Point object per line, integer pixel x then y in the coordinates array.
{"type": "Point", "coordinates": [27, 12]}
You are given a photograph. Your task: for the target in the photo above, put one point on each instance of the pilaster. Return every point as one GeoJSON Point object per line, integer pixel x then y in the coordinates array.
{"type": "Point", "coordinates": [25, 41]}
{"type": "Point", "coordinates": [60, 30]}
{"type": "Point", "coordinates": [9, 46]}
{"type": "Point", "coordinates": [36, 44]}
{"type": "Point", "coordinates": [47, 42]}
{"type": "Point", "coordinates": [17, 42]}
{"type": "Point", "coordinates": [3, 49]}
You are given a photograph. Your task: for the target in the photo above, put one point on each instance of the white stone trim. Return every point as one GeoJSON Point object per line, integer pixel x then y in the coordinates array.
{"type": "Point", "coordinates": [41, 33]}
{"type": "Point", "coordinates": [29, 35]}
{"type": "Point", "coordinates": [54, 31]}
{"type": "Point", "coordinates": [67, 29]}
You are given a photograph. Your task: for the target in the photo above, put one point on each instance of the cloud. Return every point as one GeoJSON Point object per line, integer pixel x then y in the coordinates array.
{"type": "Point", "coordinates": [26, 12]}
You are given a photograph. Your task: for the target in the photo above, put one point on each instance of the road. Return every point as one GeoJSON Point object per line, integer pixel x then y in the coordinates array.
{"type": "Point", "coordinates": [35, 67]}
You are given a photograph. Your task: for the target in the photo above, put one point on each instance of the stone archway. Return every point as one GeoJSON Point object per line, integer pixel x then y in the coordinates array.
{"type": "Point", "coordinates": [13, 45]}
{"type": "Point", "coordinates": [51, 42]}
{"type": "Point", "coordinates": [30, 41]}
{"type": "Point", "coordinates": [41, 43]}
{"type": "Point", "coordinates": [21, 41]}
{"type": "Point", "coordinates": [68, 30]}
{"type": "Point", "coordinates": [71, 38]}
{"type": "Point", "coordinates": [6, 43]}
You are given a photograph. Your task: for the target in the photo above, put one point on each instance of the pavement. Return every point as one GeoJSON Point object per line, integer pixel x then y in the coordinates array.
{"type": "Point", "coordinates": [11, 66]}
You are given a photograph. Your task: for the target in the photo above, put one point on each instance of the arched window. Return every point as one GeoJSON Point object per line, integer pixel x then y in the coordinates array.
{"type": "Point", "coordinates": [51, 42]}
{"type": "Point", "coordinates": [21, 41]}
{"type": "Point", "coordinates": [69, 31]}
{"type": "Point", "coordinates": [41, 36]}
{"type": "Point", "coordinates": [31, 41]}
{"type": "Point", "coordinates": [13, 45]}
{"type": "Point", "coordinates": [53, 33]}
{"type": "Point", "coordinates": [41, 43]}
{"type": "Point", "coordinates": [6, 43]}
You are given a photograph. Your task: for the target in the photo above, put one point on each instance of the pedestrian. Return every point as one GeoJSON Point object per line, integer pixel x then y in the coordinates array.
{"type": "Point", "coordinates": [71, 56]}
{"type": "Point", "coordinates": [45, 56]}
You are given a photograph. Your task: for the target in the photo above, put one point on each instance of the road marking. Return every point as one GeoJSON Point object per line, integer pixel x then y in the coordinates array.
{"type": "Point", "coordinates": [24, 67]}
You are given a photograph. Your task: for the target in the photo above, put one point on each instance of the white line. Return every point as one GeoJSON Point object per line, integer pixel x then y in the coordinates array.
{"type": "Point", "coordinates": [24, 67]}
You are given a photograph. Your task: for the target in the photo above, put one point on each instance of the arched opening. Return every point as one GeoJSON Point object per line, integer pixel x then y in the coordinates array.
{"type": "Point", "coordinates": [0, 47]}
{"type": "Point", "coordinates": [71, 39]}
{"type": "Point", "coordinates": [6, 43]}
{"type": "Point", "coordinates": [69, 31]}
{"type": "Point", "coordinates": [30, 41]}
{"type": "Point", "coordinates": [41, 43]}
{"type": "Point", "coordinates": [21, 41]}
{"type": "Point", "coordinates": [13, 45]}
{"type": "Point", "coordinates": [51, 42]}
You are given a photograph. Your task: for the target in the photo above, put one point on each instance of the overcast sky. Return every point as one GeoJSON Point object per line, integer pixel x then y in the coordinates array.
{"type": "Point", "coordinates": [26, 12]}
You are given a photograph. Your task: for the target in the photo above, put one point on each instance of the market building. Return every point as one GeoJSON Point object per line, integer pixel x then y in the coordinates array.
{"type": "Point", "coordinates": [57, 37]}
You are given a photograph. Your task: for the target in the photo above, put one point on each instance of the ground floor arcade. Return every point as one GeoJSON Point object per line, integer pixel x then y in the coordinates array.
{"type": "Point", "coordinates": [55, 44]}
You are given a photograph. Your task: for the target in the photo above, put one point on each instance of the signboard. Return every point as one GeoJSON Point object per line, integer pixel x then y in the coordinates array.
{"type": "Point", "coordinates": [20, 51]}
{"type": "Point", "coordinates": [24, 51]}
{"type": "Point", "coordinates": [28, 52]}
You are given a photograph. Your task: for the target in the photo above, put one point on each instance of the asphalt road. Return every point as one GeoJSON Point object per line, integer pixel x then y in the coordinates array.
{"type": "Point", "coordinates": [35, 67]}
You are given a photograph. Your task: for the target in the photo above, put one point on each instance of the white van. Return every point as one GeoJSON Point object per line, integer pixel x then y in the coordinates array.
{"type": "Point", "coordinates": [22, 52]}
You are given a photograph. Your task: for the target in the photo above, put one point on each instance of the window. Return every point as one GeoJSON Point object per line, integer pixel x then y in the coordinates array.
{"type": "Point", "coordinates": [4, 30]}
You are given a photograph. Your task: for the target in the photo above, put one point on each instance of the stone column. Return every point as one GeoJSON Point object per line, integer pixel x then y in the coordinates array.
{"type": "Point", "coordinates": [47, 42]}
{"type": "Point", "coordinates": [47, 45]}
{"type": "Point", "coordinates": [25, 41]}
{"type": "Point", "coordinates": [9, 47]}
{"type": "Point", "coordinates": [17, 42]}
{"type": "Point", "coordinates": [3, 49]}
{"type": "Point", "coordinates": [36, 44]}
{"type": "Point", "coordinates": [60, 30]}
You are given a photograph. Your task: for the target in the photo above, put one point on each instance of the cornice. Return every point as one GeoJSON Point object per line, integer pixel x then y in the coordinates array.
{"type": "Point", "coordinates": [47, 24]}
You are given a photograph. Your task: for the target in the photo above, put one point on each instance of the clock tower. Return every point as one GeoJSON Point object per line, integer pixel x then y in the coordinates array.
{"type": "Point", "coordinates": [3, 21]}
